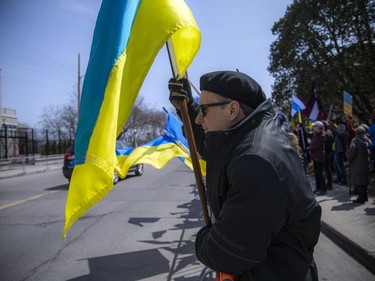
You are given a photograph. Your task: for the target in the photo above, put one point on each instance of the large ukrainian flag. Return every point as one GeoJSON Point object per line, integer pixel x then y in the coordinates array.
{"type": "Point", "coordinates": [127, 37]}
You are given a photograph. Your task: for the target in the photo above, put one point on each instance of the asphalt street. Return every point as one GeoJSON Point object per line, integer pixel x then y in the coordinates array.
{"type": "Point", "coordinates": [143, 230]}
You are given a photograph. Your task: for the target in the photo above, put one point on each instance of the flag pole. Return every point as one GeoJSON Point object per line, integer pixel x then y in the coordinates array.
{"type": "Point", "coordinates": [330, 111]}
{"type": "Point", "coordinates": [190, 139]}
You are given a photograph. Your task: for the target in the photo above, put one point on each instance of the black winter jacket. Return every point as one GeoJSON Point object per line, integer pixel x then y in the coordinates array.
{"type": "Point", "coordinates": [267, 220]}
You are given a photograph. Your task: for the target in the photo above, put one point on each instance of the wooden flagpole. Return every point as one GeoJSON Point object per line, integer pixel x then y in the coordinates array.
{"type": "Point", "coordinates": [193, 153]}
{"type": "Point", "coordinates": [190, 139]}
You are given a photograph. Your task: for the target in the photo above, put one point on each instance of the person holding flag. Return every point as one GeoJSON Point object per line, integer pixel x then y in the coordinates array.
{"type": "Point", "coordinates": [297, 107]}
{"type": "Point", "coordinates": [265, 218]}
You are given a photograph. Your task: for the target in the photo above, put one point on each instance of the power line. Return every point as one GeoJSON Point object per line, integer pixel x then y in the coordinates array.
{"type": "Point", "coordinates": [47, 67]}
{"type": "Point", "coordinates": [30, 48]}
{"type": "Point", "coordinates": [36, 71]}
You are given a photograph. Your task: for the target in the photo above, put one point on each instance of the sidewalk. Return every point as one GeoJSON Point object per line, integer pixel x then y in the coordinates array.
{"type": "Point", "coordinates": [349, 225]}
{"type": "Point", "coordinates": [16, 170]}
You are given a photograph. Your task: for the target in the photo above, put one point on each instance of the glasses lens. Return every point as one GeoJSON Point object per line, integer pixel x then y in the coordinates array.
{"type": "Point", "coordinates": [202, 110]}
{"type": "Point", "coordinates": [203, 107]}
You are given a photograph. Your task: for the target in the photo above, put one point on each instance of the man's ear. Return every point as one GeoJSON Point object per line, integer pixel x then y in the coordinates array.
{"type": "Point", "coordinates": [234, 110]}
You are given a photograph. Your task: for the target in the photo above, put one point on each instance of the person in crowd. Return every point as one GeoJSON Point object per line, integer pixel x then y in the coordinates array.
{"type": "Point", "coordinates": [299, 150]}
{"type": "Point", "coordinates": [303, 141]}
{"type": "Point", "coordinates": [340, 147]}
{"type": "Point", "coordinates": [328, 153]}
{"type": "Point", "coordinates": [367, 138]}
{"type": "Point", "coordinates": [358, 157]}
{"type": "Point", "coordinates": [317, 154]}
{"type": "Point", "coordinates": [371, 134]}
{"type": "Point", "coordinates": [265, 218]}
{"type": "Point", "coordinates": [350, 127]}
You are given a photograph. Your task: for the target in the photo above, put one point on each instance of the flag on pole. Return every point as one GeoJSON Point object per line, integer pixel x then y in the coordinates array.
{"type": "Point", "coordinates": [297, 106]}
{"type": "Point", "coordinates": [127, 37]}
{"type": "Point", "coordinates": [348, 103]}
{"type": "Point", "coordinates": [173, 129]}
{"type": "Point", "coordinates": [160, 151]}
{"type": "Point", "coordinates": [314, 109]}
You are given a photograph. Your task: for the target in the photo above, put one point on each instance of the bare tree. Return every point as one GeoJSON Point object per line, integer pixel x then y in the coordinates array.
{"type": "Point", "coordinates": [61, 121]}
{"type": "Point", "coordinates": [144, 123]}
{"type": "Point", "coordinates": [50, 120]}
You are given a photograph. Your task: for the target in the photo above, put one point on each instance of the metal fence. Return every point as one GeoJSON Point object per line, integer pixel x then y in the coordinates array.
{"type": "Point", "coordinates": [20, 143]}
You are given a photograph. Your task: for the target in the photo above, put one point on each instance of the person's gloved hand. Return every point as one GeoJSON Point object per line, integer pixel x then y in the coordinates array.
{"type": "Point", "coordinates": [180, 90]}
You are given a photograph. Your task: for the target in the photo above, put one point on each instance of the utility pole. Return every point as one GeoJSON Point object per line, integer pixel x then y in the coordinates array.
{"type": "Point", "coordinates": [79, 83]}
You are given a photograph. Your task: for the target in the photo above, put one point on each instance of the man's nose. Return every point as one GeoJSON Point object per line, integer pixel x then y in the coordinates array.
{"type": "Point", "coordinates": [198, 119]}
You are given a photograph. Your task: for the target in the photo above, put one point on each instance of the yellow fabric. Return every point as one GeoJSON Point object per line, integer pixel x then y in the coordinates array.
{"type": "Point", "coordinates": [202, 163]}
{"type": "Point", "coordinates": [155, 22]}
{"type": "Point", "coordinates": [157, 156]}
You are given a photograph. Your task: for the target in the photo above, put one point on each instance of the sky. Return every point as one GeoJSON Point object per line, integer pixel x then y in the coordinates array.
{"type": "Point", "coordinates": [40, 41]}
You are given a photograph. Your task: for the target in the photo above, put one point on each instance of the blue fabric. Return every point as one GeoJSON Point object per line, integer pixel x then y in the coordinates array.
{"type": "Point", "coordinates": [113, 25]}
{"type": "Point", "coordinates": [173, 127]}
{"type": "Point", "coordinates": [371, 132]}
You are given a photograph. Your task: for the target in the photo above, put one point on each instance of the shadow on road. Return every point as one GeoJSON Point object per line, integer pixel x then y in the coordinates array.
{"type": "Point", "coordinates": [59, 187]}
{"type": "Point", "coordinates": [173, 259]}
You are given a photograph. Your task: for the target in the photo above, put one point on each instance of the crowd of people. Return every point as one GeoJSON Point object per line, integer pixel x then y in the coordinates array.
{"type": "Point", "coordinates": [329, 146]}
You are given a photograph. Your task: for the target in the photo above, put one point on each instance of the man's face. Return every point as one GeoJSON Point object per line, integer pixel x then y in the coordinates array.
{"type": "Point", "coordinates": [216, 117]}
{"type": "Point", "coordinates": [316, 129]}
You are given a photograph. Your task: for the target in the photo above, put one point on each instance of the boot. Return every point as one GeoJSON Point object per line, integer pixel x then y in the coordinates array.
{"type": "Point", "coordinates": [359, 201]}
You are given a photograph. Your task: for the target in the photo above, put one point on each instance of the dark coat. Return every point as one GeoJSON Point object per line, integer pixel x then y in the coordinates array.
{"type": "Point", "coordinates": [341, 141]}
{"type": "Point", "coordinates": [267, 220]}
{"type": "Point", "coordinates": [358, 156]}
{"type": "Point", "coordinates": [317, 151]}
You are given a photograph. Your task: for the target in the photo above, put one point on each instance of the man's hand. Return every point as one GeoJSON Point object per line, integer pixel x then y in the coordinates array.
{"type": "Point", "coordinates": [179, 90]}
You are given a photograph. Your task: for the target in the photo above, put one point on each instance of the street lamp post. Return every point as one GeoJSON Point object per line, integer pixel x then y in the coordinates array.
{"type": "Point", "coordinates": [135, 137]}
{"type": "Point", "coordinates": [6, 140]}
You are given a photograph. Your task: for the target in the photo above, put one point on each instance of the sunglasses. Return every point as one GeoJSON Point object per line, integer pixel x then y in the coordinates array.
{"type": "Point", "coordinates": [203, 107]}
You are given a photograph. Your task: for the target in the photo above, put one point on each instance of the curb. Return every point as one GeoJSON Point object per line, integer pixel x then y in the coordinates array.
{"type": "Point", "coordinates": [355, 251]}
{"type": "Point", "coordinates": [19, 174]}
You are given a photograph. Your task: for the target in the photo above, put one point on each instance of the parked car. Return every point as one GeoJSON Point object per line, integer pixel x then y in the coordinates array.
{"type": "Point", "coordinates": [121, 146]}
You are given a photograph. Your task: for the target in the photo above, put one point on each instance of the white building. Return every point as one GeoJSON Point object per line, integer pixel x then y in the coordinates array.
{"type": "Point", "coordinates": [8, 130]}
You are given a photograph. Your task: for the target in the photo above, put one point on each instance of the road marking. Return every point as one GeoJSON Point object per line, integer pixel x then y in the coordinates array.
{"type": "Point", "coordinates": [26, 200]}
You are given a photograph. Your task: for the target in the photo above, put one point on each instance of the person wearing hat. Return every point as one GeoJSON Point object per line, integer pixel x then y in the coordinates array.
{"type": "Point", "coordinates": [341, 137]}
{"type": "Point", "coordinates": [358, 156]}
{"type": "Point", "coordinates": [265, 219]}
{"type": "Point", "coordinates": [317, 153]}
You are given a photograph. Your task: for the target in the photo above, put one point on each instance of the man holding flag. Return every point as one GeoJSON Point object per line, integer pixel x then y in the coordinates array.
{"type": "Point", "coordinates": [265, 219]}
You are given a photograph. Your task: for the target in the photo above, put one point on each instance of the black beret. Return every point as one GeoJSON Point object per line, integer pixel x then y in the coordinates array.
{"type": "Point", "coordinates": [234, 85]}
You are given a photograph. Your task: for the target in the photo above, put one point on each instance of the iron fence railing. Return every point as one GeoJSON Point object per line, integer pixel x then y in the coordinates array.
{"type": "Point", "coordinates": [25, 143]}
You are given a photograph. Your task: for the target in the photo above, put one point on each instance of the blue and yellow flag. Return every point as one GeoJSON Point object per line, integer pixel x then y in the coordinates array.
{"type": "Point", "coordinates": [127, 37]}
{"type": "Point", "coordinates": [297, 107]}
{"type": "Point", "coordinates": [160, 151]}
{"type": "Point", "coordinates": [348, 103]}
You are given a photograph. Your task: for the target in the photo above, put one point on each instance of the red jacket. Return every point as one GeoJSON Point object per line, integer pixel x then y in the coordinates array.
{"type": "Point", "coordinates": [317, 151]}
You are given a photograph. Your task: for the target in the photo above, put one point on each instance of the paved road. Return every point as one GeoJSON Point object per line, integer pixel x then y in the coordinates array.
{"type": "Point", "coordinates": [143, 230]}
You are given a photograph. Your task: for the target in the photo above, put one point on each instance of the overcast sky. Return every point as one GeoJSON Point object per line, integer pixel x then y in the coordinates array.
{"type": "Point", "coordinates": [40, 41]}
